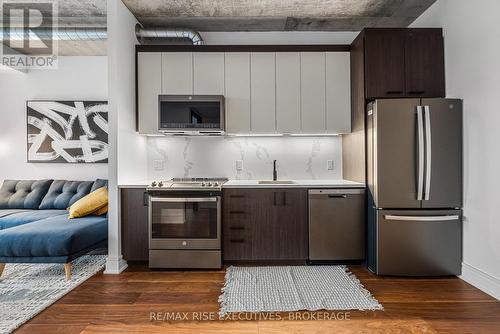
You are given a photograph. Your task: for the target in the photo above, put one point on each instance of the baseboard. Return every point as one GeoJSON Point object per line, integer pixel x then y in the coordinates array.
{"type": "Point", "coordinates": [481, 280]}
{"type": "Point", "coordinates": [115, 266]}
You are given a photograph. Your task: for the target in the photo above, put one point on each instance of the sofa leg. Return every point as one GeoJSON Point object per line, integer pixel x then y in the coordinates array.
{"type": "Point", "coordinates": [67, 270]}
{"type": "Point", "coordinates": [2, 267]}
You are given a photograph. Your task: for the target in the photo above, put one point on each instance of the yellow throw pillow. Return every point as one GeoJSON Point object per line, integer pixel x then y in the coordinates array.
{"type": "Point", "coordinates": [89, 204]}
{"type": "Point", "coordinates": [101, 211]}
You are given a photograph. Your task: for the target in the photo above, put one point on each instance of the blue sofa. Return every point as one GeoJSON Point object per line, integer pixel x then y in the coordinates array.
{"type": "Point", "coordinates": [34, 223]}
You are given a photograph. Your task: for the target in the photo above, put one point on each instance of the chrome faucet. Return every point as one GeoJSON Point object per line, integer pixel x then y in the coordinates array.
{"type": "Point", "coordinates": [275, 172]}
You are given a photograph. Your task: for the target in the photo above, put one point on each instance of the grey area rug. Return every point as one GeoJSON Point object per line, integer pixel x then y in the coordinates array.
{"type": "Point", "coordinates": [27, 289]}
{"type": "Point", "coordinates": [293, 288]}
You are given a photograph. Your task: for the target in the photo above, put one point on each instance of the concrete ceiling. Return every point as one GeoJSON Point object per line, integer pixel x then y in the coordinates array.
{"type": "Point", "coordinates": [277, 15]}
{"type": "Point", "coordinates": [240, 15]}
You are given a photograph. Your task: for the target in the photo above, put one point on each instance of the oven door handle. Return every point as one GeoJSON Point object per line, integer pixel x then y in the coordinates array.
{"type": "Point", "coordinates": [184, 199]}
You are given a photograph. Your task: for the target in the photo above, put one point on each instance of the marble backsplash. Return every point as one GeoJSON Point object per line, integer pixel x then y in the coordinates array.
{"type": "Point", "coordinates": [298, 157]}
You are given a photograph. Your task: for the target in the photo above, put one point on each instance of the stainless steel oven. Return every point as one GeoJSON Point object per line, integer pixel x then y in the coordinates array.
{"type": "Point", "coordinates": [184, 226]}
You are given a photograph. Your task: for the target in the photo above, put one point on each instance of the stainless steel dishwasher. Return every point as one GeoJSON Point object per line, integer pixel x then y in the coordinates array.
{"type": "Point", "coordinates": [337, 225]}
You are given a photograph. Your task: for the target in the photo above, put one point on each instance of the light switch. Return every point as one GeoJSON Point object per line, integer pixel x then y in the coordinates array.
{"type": "Point", "coordinates": [158, 164]}
{"type": "Point", "coordinates": [329, 164]}
{"type": "Point", "coordinates": [239, 165]}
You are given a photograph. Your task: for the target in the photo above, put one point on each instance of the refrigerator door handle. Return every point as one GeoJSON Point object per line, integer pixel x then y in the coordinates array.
{"type": "Point", "coordinates": [420, 179]}
{"type": "Point", "coordinates": [428, 152]}
{"type": "Point", "coordinates": [422, 218]}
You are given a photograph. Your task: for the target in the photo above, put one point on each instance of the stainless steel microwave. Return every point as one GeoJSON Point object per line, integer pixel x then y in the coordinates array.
{"type": "Point", "coordinates": [191, 114]}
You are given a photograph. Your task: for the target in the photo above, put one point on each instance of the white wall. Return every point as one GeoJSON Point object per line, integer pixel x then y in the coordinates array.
{"type": "Point", "coordinates": [77, 78]}
{"type": "Point", "coordinates": [127, 161]}
{"type": "Point", "coordinates": [472, 49]}
{"type": "Point", "coordinates": [298, 157]}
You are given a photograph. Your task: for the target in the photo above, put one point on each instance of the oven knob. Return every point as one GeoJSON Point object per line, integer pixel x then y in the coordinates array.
{"type": "Point", "coordinates": [160, 184]}
{"type": "Point", "coordinates": [153, 184]}
{"type": "Point", "coordinates": [209, 184]}
{"type": "Point", "coordinates": [203, 184]}
{"type": "Point", "coordinates": [184, 243]}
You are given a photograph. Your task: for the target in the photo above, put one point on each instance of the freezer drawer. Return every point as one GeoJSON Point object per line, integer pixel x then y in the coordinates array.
{"type": "Point", "coordinates": [337, 224]}
{"type": "Point", "coordinates": [419, 242]}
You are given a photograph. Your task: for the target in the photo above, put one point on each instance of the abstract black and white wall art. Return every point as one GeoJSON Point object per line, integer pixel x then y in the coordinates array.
{"type": "Point", "coordinates": [67, 131]}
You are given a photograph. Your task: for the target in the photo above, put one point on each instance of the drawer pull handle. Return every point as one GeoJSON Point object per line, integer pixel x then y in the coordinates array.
{"type": "Point", "coordinates": [416, 92]}
{"type": "Point", "coordinates": [337, 196]}
{"type": "Point", "coordinates": [236, 212]}
{"type": "Point", "coordinates": [237, 241]}
{"type": "Point", "coordinates": [239, 228]}
{"type": "Point", "coordinates": [394, 92]}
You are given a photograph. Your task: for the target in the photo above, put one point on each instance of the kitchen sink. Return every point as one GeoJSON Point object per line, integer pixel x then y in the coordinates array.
{"type": "Point", "coordinates": [276, 182]}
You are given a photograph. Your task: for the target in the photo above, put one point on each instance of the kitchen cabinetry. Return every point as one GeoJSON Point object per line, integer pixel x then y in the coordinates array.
{"type": "Point", "coordinates": [313, 91]}
{"type": "Point", "coordinates": [424, 63]}
{"type": "Point", "coordinates": [338, 93]}
{"type": "Point", "coordinates": [266, 92]}
{"type": "Point", "coordinates": [389, 63]}
{"type": "Point", "coordinates": [288, 106]}
{"type": "Point", "coordinates": [263, 92]}
{"type": "Point", "coordinates": [177, 73]}
{"type": "Point", "coordinates": [264, 224]}
{"type": "Point", "coordinates": [237, 82]}
{"type": "Point", "coordinates": [404, 63]}
{"type": "Point", "coordinates": [149, 87]}
{"type": "Point", "coordinates": [208, 73]}
{"type": "Point", "coordinates": [134, 224]}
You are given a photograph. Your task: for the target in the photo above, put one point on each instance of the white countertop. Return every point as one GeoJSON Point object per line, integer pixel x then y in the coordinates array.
{"type": "Point", "coordinates": [295, 184]}
{"type": "Point", "coordinates": [255, 184]}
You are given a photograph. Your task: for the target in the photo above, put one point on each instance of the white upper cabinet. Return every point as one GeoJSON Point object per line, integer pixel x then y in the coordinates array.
{"type": "Point", "coordinates": [338, 92]}
{"type": "Point", "coordinates": [149, 87]}
{"type": "Point", "coordinates": [312, 89]}
{"type": "Point", "coordinates": [177, 73]}
{"type": "Point", "coordinates": [237, 82]}
{"type": "Point", "coordinates": [263, 94]}
{"type": "Point", "coordinates": [208, 70]}
{"type": "Point", "coordinates": [288, 92]}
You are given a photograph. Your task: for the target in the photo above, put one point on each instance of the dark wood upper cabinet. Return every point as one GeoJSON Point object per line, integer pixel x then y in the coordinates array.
{"type": "Point", "coordinates": [384, 62]}
{"type": "Point", "coordinates": [424, 63]}
{"type": "Point", "coordinates": [265, 224]}
{"type": "Point", "coordinates": [404, 62]}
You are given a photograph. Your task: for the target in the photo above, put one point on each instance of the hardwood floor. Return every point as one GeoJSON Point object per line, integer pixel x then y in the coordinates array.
{"type": "Point", "coordinates": [125, 304]}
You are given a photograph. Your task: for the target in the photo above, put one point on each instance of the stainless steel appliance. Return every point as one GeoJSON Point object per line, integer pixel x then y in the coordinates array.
{"type": "Point", "coordinates": [337, 225]}
{"type": "Point", "coordinates": [185, 223]}
{"type": "Point", "coordinates": [415, 186]}
{"type": "Point", "coordinates": [191, 114]}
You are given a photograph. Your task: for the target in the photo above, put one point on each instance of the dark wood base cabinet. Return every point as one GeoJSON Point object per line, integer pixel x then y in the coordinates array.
{"type": "Point", "coordinates": [265, 224]}
{"type": "Point", "coordinates": [134, 224]}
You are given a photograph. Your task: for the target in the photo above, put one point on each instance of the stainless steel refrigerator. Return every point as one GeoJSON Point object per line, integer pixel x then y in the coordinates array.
{"type": "Point", "coordinates": [414, 153]}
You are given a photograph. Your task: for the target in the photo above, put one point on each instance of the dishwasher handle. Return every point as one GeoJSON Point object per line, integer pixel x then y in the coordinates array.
{"type": "Point", "coordinates": [337, 196]}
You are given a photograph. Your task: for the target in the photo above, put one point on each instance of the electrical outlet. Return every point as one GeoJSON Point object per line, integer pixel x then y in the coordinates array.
{"type": "Point", "coordinates": [239, 165]}
{"type": "Point", "coordinates": [329, 164]}
{"type": "Point", "coordinates": [158, 164]}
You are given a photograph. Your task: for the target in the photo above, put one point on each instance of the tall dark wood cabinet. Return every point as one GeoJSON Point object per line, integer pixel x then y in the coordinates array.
{"type": "Point", "coordinates": [403, 62]}
{"type": "Point", "coordinates": [134, 224]}
{"type": "Point", "coordinates": [384, 62]}
{"type": "Point", "coordinates": [389, 63]}
{"type": "Point", "coordinates": [424, 63]}
{"type": "Point", "coordinates": [264, 224]}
